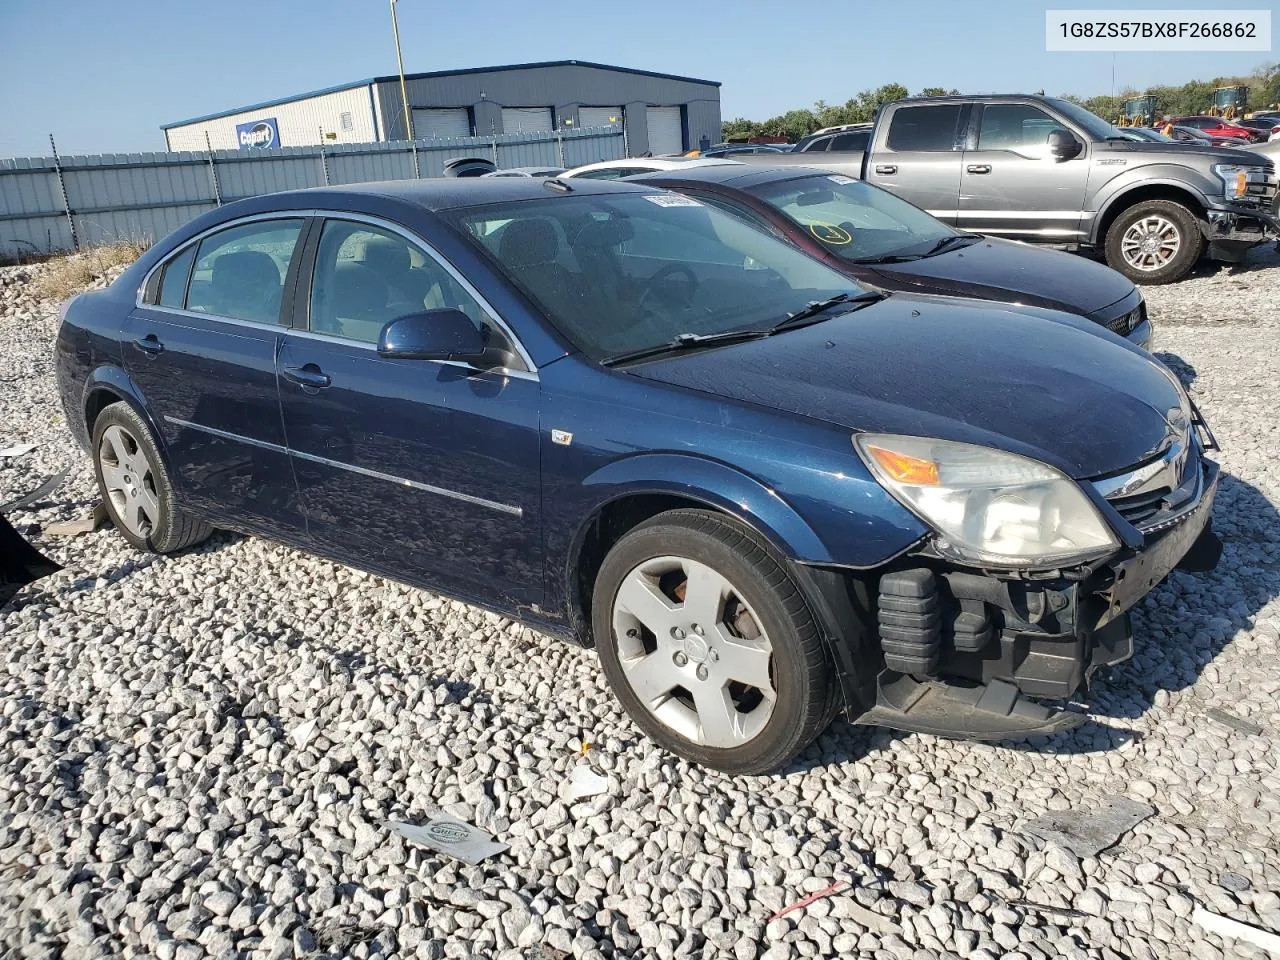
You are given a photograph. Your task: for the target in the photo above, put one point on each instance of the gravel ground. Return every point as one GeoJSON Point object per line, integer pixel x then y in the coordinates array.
{"type": "Point", "coordinates": [196, 760]}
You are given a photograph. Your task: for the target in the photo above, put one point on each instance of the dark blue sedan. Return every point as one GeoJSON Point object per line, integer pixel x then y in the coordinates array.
{"type": "Point", "coordinates": [763, 493]}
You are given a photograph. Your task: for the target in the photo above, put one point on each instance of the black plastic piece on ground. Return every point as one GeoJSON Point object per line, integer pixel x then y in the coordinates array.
{"type": "Point", "coordinates": [910, 618]}
{"type": "Point", "coordinates": [20, 563]}
{"type": "Point", "coordinates": [992, 711]}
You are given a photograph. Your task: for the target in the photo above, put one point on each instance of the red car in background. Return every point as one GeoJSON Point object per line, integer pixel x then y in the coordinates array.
{"type": "Point", "coordinates": [1218, 127]}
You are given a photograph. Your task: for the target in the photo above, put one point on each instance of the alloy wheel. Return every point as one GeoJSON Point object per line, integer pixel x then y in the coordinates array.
{"type": "Point", "coordinates": [129, 482]}
{"type": "Point", "coordinates": [1150, 243]}
{"type": "Point", "coordinates": [693, 652]}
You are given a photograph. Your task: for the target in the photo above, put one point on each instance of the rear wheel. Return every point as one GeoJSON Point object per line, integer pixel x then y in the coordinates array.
{"type": "Point", "coordinates": [135, 487]}
{"type": "Point", "coordinates": [1154, 242]}
{"type": "Point", "coordinates": [709, 644]}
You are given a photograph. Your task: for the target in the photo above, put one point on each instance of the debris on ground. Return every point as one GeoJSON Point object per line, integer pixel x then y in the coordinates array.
{"type": "Point", "coordinates": [1239, 724]}
{"type": "Point", "coordinates": [1086, 833]}
{"type": "Point", "coordinates": [1234, 882]}
{"type": "Point", "coordinates": [17, 450]}
{"type": "Point", "coordinates": [303, 732]}
{"type": "Point", "coordinates": [20, 562]}
{"type": "Point", "coordinates": [855, 911]}
{"type": "Point", "coordinates": [35, 496]}
{"type": "Point", "coordinates": [452, 837]}
{"type": "Point", "coordinates": [583, 782]}
{"type": "Point", "coordinates": [1226, 927]}
{"type": "Point", "coordinates": [96, 520]}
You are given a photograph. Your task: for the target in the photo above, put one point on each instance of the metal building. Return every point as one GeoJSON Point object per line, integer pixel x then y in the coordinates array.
{"type": "Point", "coordinates": [660, 113]}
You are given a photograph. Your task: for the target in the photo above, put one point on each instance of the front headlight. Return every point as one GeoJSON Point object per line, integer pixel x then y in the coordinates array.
{"type": "Point", "coordinates": [989, 508]}
{"type": "Point", "coordinates": [1237, 178]}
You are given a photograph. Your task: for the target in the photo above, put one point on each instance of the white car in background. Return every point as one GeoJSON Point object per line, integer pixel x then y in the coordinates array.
{"type": "Point", "coordinates": [616, 169]}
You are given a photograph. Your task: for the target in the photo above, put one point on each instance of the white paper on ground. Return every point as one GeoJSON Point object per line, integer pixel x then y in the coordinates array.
{"type": "Point", "coordinates": [451, 836]}
{"type": "Point", "coordinates": [17, 450]}
{"type": "Point", "coordinates": [581, 783]}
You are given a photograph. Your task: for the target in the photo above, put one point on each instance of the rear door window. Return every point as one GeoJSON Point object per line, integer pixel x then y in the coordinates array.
{"type": "Point", "coordinates": [239, 272]}
{"type": "Point", "coordinates": [931, 128]}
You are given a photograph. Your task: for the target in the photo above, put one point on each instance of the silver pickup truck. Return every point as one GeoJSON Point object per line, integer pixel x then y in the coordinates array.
{"type": "Point", "coordinates": [1046, 170]}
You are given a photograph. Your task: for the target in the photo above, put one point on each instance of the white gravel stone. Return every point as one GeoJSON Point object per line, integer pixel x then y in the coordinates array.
{"type": "Point", "coordinates": [199, 754]}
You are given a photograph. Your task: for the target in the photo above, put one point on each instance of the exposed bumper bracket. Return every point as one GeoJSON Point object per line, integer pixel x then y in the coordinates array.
{"type": "Point", "coordinates": [990, 711]}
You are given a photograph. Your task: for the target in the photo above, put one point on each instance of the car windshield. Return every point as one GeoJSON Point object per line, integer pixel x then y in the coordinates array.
{"type": "Point", "coordinates": [618, 273]}
{"type": "Point", "coordinates": [853, 219]}
{"type": "Point", "coordinates": [1091, 123]}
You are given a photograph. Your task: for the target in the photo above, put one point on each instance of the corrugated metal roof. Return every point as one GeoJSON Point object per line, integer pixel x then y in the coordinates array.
{"type": "Point", "coordinates": [395, 78]}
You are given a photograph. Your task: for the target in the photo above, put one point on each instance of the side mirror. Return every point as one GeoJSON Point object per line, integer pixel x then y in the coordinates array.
{"type": "Point", "coordinates": [433, 335]}
{"type": "Point", "coordinates": [1062, 145]}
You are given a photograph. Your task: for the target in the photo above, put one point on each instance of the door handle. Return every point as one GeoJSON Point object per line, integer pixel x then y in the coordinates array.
{"type": "Point", "coordinates": [149, 344]}
{"type": "Point", "coordinates": [978, 168]}
{"type": "Point", "coordinates": [889, 168]}
{"type": "Point", "coordinates": [308, 376]}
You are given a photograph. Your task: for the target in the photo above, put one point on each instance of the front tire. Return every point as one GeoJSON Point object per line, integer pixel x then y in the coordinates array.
{"type": "Point", "coordinates": [135, 485]}
{"type": "Point", "coordinates": [1154, 242]}
{"type": "Point", "coordinates": [709, 645]}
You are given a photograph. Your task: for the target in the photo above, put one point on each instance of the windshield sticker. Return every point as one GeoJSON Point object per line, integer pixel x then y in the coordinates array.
{"type": "Point", "coordinates": [672, 200]}
{"type": "Point", "coordinates": [841, 180]}
{"type": "Point", "coordinates": [835, 236]}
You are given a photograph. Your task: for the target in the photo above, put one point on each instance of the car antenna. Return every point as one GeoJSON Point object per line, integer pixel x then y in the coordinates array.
{"type": "Point", "coordinates": [555, 183]}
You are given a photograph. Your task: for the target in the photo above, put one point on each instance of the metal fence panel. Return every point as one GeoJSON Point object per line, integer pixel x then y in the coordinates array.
{"type": "Point", "coordinates": [144, 196]}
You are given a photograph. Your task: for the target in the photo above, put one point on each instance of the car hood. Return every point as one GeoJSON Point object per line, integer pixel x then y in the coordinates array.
{"type": "Point", "coordinates": [1043, 385]}
{"type": "Point", "coordinates": [1157, 152]}
{"type": "Point", "coordinates": [1014, 272]}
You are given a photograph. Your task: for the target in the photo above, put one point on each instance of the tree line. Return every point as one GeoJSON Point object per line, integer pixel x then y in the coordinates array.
{"type": "Point", "coordinates": [1192, 97]}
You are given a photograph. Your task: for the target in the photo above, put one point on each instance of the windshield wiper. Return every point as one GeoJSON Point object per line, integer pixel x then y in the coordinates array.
{"type": "Point", "coordinates": [699, 341]}
{"type": "Point", "coordinates": [812, 310]}
{"type": "Point", "coordinates": [685, 341]}
{"type": "Point", "coordinates": [940, 247]}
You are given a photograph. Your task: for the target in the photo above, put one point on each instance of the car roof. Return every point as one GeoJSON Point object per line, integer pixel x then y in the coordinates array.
{"type": "Point", "coordinates": [440, 193]}
{"type": "Point", "coordinates": [657, 163]}
{"type": "Point", "coordinates": [739, 177]}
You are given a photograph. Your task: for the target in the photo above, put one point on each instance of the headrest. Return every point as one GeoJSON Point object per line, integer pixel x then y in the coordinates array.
{"type": "Point", "coordinates": [245, 267]}
{"type": "Point", "coordinates": [358, 292]}
{"type": "Point", "coordinates": [388, 257]}
{"type": "Point", "coordinates": [605, 233]}
{"type": "Point", "coordinates": [529, 243]}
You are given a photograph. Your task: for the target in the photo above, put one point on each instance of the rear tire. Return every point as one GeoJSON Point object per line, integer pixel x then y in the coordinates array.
{"type": "Point", "coordinates": [135, 486]}
{"type": "Point", "coordinates": [1154, 242]}
{"type": "Point", "coordinates": [709, 644]}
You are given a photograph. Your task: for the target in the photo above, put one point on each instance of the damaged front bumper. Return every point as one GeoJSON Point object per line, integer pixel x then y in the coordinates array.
{"type": "Point", "coordinates": [1230, 232]}
{"type": "Point", "coordinates": [965, 650]}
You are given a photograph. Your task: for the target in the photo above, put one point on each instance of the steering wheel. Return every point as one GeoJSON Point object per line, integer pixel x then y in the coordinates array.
{"type": "Point", "coordinates": [658, 283]}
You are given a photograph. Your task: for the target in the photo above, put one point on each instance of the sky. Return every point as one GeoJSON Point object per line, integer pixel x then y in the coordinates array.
{"type": "Point", "coordinates": [103, 76]}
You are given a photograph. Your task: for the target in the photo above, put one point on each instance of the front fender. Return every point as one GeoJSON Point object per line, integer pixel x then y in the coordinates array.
{"type": "Point", "coordinates": [717, 485]}
{"type": "Point", "coordinates": [1198, 186]}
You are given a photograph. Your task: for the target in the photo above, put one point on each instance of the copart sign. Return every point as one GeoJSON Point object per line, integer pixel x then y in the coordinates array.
{"type": "Point", "coordinates": [258, 134]}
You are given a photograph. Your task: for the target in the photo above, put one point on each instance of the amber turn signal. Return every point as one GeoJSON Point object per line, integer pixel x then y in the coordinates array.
{"type": "Point", "coordinates": [904, 468]}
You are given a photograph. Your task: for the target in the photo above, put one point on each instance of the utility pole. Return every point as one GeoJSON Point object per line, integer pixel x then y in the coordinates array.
{"type": "Point", "coordinates": [404, 96]}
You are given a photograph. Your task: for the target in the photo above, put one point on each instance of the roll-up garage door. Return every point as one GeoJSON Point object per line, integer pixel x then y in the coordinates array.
{"type": "Point", "coordinates": [591, 117]}
{"type": "Point", "coordinates": [436, 124]}
{"type": "Point", "coordinates": [666, 132]}
{"type": "Point", "coordinates": [526, 119]}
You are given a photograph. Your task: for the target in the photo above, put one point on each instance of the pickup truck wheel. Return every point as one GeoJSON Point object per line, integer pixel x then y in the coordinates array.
{"type": "Point", "coordinates": [709, 644]}
{"type": "Point", "coordinates": [1154, 242]}
{"type": "Point", "coordinates": [135, 486]}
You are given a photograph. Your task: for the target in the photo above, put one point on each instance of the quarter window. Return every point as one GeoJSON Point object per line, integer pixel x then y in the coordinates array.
{"type": "Point", "coordinates": [1018, 127]}
{"type": "Point", "coordinates": [173, 283]}
{"type": "Point", "coordinates": [817, 146]}
{"type": "Point", "coordinates": [239, 272]}
{"type": "Point", "coordinates": [930, 129]}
